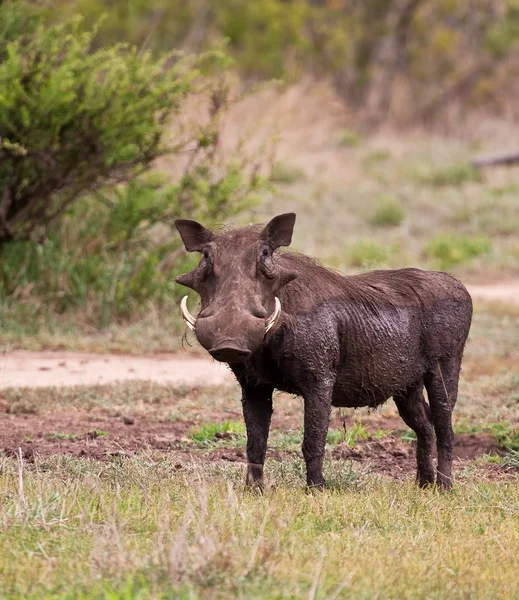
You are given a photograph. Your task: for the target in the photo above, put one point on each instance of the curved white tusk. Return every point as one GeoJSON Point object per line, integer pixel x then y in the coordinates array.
{"type": "Point", "coordinates": [271, 321]}
{"type": "Point", "coordinates": [186, 315]}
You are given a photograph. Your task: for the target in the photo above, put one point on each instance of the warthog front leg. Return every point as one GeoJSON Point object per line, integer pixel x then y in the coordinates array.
{"type": "Point", "coordinates": [257, 412]}
{"type": "Point", "coordinates": [318, 405]}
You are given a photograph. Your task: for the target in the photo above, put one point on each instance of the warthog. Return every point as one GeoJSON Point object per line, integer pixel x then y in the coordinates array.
{"type": "Point", "coordinates": [283, 321]}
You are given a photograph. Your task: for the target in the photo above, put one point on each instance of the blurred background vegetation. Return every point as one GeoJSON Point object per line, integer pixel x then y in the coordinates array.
{"type": "Point", "coordinates": [361, 115]}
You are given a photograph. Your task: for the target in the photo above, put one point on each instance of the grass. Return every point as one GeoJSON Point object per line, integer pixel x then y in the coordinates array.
{"type": "Point", "coordinates": [405, 201]}
{"type": "Point", "coordinates": [179, 524]}
{"type": "Point", "coordinates": [142, 529]}
{"type": "Point", "coordinates": [350, 138]}
{"type": "Point", "coordinates": [451, 175]}
{"type": "Point", "coordinates": [450, 250]}
{"type": "Point", "coordinates": [367, 254]}
{"type": "Point", "coordinates": [388, 213]}
{"type": "Point", "coordinates": [286, 174]}
{"type": "Point", "coordinates": [209, 433]}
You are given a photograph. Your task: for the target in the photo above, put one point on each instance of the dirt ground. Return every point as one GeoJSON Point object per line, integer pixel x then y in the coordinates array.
{"type": "Point", "coordinates": [104, 437]}
{"type": "Point", "coordinates": [58, 369]}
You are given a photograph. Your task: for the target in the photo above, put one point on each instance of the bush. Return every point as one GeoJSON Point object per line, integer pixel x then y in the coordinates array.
{"type": "Point", "coordinates": [286, 174]}
{"type": "Point", "coordinates": [448, 251]}
{"type": "Point", "coordinates": [367, 254]}
{"type": "Point", "coordinates": [87, 226]}
{"type": "Point", "coordinates": [114, 254]}
{"type": "Point", "coordinates": [350, 138]}
{"type": "Point", "coordinates": [452, 175]}
{"type": "Point", "coordinates": [73, 120]}
{"type": "Point", "coordinates": [388, 213]}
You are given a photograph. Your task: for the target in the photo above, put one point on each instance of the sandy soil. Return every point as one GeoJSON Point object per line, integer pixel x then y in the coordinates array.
{"type": "Point", "coordinates": [43, 369]}
{"type": "Point", "coordinates": [500, 292]}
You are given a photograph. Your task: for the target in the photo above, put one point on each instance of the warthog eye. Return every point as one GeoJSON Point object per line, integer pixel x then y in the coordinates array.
{"type": "Point", "coordinates": [206, 253]}
{"type": "Point", "coordinates": [265, 252]}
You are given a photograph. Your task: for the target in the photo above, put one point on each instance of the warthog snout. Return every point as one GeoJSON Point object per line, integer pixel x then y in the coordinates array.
{"type": "Point", "coordinates": [230, 352]}
{"type": "Point", "coordinates": [230, 336]}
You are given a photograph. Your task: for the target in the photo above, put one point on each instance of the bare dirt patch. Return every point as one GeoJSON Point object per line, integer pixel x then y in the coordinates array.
{"type": "Point", "coordinates": [507, 291]}
{"type": "Point", "coordinates": [57, 369]}
{"type": "Point", "coordinates": [104, 437]}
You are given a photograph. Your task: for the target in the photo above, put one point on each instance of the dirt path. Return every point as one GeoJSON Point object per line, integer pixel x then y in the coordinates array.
{"type": "Point", "coordinates": [44, 369]}
{"type": "Point", "coordinates": [501, 292]}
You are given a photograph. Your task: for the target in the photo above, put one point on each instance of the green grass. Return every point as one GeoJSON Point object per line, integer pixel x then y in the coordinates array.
{"type": "Point", "coordinates": [137, 528]}
{"type": "Point", "coordinates": [449, 250]}
{"type": "Point", "coordinates": [350, 138]}
{"type": "Point", "coordinates": [61, 436]}
{"type": "Point", "coordinates": [451, 175]}
{"type": "Point", "coordinates": [367, 254]}
{"type": "Point", "coordinates": [209, 433]}
{"type": "Point", "coordinates": [286, 174]}
{"type": "Point", "coordinates": [179, 524]}
{"type": "Point", "coordinates": [388, 213]}
{"type": "Point", "coordinates": [506, 435]}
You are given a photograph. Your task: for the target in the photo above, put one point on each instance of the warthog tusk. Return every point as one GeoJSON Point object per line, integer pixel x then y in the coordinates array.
{"type": "Point", "coordinates": [186, 315]}
{"type": "Point", "coordinates": [274, 316]}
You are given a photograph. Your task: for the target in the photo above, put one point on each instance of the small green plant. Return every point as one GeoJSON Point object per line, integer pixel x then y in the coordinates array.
{"type": "Point", "coordinates": [95, 433]}
{"type": "Point", "coordinates": [349, 436]}
{"type": "Point", "coordinates": [350, 138]}
{"type": "Point", "coordinates": [453, 175]}
{"type": "Point", "coordinates": [357, 432]}
{"type": "Point", "coordinates": [490, 459]}
{"type": "Point", "coordinates": [408, 436]}
{"type": "Point", "coordinates": [209, 433]}
{"type": "Point", "coordinates": [506, 436]}
{"type": "Point", "coordinates": [288, 440]}
{"type": "Point", "coordinates": [388, 213]}
{"type": "Point", "coordinates": [366, 253]}
{"type": "Point", "coordinates": [286, 174]}
{"type": "Point", "coordinates": [335, 436]}
{"type": "Point", "coordinates": [381, 433]}
{"type": "Point", "coordinates": [449, 250]}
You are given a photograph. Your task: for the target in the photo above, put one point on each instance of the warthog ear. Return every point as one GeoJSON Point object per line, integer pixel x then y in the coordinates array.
{"type": "Point", "coordinates": [278, 231]}
{"type": "Point", "coordinates": [194, 235]}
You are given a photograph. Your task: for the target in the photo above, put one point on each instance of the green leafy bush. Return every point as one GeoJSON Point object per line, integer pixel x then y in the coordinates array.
{"type": "Point", "coordinates": [73, 120]}
{"type": "Point", "coordinates": [286, 174]}
{"type": "Point", "coordinates": [365, 253]}
{"type": "Point", "coordinates": [452, 175]}
{"type": "Point", "coordinates": [449, 250]}
{"type": "Point", "coordinates": [87, 227]}
{"type": "Point", "coordinates": [350, 138]}
{"type": "Point", "coordinates": [388, 213]}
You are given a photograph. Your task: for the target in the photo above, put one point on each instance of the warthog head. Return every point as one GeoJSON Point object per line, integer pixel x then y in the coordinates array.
{"type": "Point", "coordinates": [237, 279]}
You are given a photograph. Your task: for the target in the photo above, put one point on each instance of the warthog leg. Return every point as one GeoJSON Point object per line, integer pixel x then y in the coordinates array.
{"type": "Point", "coordinates": [442, 389]}
{"type": "Point", "coordinates": [257, 412]}
{"type": "Point", "coordinates": [318, 405]}
{"type": "Point", "coordinates": [416, 414]}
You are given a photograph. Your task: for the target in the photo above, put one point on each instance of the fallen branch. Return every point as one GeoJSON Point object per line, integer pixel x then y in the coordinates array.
{"type": "Point", "coordinates": [493, 160]}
